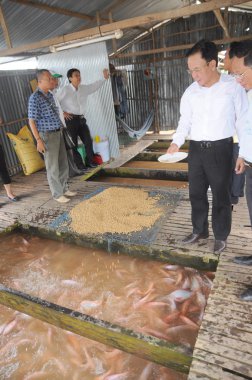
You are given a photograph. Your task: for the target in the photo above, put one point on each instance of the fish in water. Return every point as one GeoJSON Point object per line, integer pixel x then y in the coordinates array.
{"type": "Point", "coordinates": [180, 295]}
{"type": "Point", "coordinates": [146, 372]}
{"type": "Point", "coordinates": [171, 267]}
{"type": "Point", "coordinates": [70, 283]}
{"type": "Point", "coordinates": [89, 305]}
{"type": "Point", "coordinates": [8, 327]}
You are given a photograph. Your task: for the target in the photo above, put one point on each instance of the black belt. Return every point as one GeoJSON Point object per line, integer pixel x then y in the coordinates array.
{"type": "Point", "coordinates": [54, 130]}
{"type": "Point", "coordinates": [209, 144]}
{"type": "Point", "coordinates": [78, 116]}
{"type": "Point", "coordinates": [248, 163]}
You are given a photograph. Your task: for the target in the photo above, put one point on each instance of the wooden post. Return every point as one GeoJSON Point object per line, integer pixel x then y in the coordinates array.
{"type": "Point", "coordinates": [147, 347]}
{"type": "Point", "coordinates": [156, 124]}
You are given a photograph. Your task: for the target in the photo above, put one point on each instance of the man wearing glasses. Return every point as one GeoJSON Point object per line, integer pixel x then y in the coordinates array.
{"type": "Point", "coordinates": [211, 110]}
{"type": "Point", "coordinates": [242, 71]}
{"type": "Point", "coordinates": [46, 126]}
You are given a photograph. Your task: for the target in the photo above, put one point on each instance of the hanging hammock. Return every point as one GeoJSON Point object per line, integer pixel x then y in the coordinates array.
{"type": "Point", "coordinates": [141, 132]}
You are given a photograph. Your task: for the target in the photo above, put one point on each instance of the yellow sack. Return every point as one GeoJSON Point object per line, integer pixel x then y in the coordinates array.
{"type": "Point", "coordinates": [26, 151]}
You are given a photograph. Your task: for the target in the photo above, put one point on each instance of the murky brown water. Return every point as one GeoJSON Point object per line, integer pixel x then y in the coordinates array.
{"type": "Point", "coordinates": [152, 297]}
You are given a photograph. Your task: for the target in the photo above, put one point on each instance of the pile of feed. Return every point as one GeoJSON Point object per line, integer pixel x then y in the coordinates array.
{"type": "Point", "coordinates": [115, 210]}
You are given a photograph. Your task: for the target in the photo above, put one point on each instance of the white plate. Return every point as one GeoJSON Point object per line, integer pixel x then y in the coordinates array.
{"type": "Point", "coordinates": [169, 158]}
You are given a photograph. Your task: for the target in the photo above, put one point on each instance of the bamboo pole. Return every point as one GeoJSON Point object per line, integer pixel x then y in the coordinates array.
{"type": "Point", "coordinates": [147, 347]}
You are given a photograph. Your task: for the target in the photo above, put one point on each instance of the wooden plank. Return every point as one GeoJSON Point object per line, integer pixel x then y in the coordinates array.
{"type": "Point", "coordinates": [5, 30]}
{"type": "Point", "coordinates": [226, 312]}
{"type": "Point", "coordinates": [125, 24]}
{"type": "Point", "coordinates": [147, 347]}
{"type": "Point", "coordinates": [229, 363]}
{"type": "Point", "coordinates": [232, 337]}
{"type": "Point", "coordinates": [92, 172]}
{"type": "Point", "coordinates": [223, 41]}
{"type": "Point", "coordinates": [167, 254]}
{"type": "Point", "coordinates": [156, 165]}
{"type": "Point", "coordinates": [235, 276]}
{"type": "Point", "coordinates": [129, 152]}
{"type": "Point", "coordinates": [202, 370]}
{"type": "Point", "coordinates": [222, 23]}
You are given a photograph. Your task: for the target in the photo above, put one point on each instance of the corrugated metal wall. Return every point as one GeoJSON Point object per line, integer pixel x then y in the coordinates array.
{"type": "Point", "coordinates": [170, 78]}
{"type": "Point", "coordinates": [14, 94]}
{"type": "Point", "coordinates": [90, 60]}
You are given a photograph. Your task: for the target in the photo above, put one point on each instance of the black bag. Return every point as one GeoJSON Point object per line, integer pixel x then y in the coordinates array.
{"type": "Point", "coordinates": [73, 169]}
{"type": "Point", "coordinates": [68, 139]}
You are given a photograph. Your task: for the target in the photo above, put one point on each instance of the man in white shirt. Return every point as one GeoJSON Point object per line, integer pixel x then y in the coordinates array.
{"type": "Point", "coordinates": [73, 101]}
{"type": "Point", "coordinates": [238, 180]}
{"type": "Point", "coordinates": [211, 110]}
{"type": "Point", "coordinates": [242, 71]}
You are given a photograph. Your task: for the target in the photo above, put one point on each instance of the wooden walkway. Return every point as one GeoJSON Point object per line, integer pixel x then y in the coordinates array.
{"type": "Point", "coordinates": [223, 349]}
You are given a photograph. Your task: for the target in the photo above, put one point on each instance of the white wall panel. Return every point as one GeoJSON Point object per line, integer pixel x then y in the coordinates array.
{"type": "Point", "coordinates": [90, 60]}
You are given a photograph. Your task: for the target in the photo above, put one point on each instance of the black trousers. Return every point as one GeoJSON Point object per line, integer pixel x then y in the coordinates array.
{"type": "Point", "coordinates": [3, 168]}
{"type": "Point", "coordinates": [238, 180]}
{"type": "Point", "coordinates": [210, 164]}
{"type": "Point", "coordinates": [249, 191]}
{"type": "Point", "coordinates": [78, 127]}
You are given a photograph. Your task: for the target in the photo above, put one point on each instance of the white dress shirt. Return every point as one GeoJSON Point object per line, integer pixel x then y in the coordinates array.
{"type": "Point", "coordinates": [74, 100]}
{"type": "Point", "coordinates": [211, 113]}
{"type": "Point", "coordinates": [61, 114]}
{"type": "Point", "coordinates": [246, 135]}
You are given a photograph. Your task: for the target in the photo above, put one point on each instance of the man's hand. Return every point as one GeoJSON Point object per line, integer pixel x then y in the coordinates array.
{"type": "Point", "coordinates": [41, 146]}
{"type": "Point", "coordinates": [106, 73]}
{"type": "Point", "coordinates": [173, 148]}
{"type": "Point", "coordinates": [67, 116]}
{"type": "Point", "coordinates": [240, 166]}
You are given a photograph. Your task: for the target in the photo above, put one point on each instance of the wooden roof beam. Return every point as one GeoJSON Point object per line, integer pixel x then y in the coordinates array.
{"type": "Point", "coordinates": [224, 41]}
{"type": "Point", "coordinates": [63, 11]}
{"type": "Point", "coordinates": [5, 29]}
{"type": "Point", "coordinates": [124, 24]}
{"type": "Point", "coordinates": [219, 17]}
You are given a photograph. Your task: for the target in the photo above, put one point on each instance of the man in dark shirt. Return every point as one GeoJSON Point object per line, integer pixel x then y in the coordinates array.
{"type": "Point", "coordinates": [46, 126]}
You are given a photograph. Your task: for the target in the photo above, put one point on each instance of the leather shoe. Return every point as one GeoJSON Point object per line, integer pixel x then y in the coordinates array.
{"type": "Point", "coordinates": [192, 238]}
{"type": "Point", "coordinates": [243, 260]}
{"type": "Point", "coordinates": [246, 295]}
{"type": "Point", "coordinates": [219, 246]}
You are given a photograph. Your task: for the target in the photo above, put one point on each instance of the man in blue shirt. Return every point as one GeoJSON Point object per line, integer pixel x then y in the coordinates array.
{"type": "Point", "coordinates": [46, 127]}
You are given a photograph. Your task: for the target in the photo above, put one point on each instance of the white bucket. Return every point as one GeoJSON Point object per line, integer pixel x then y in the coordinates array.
{"type": "Point", "coordinates": [102, 148]}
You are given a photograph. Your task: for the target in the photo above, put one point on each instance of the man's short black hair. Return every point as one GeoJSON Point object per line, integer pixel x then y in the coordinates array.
{"type": "Point", "coordinates": [233, 48]}
{"type": "Point", "coordinates": [242, 49]}
{"type": "Point", "coordinates": [70, 73]}
{"type": "Point", "coordinates": [41, 72]}
{"type": "Point", "coordinates": [208, 50]}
